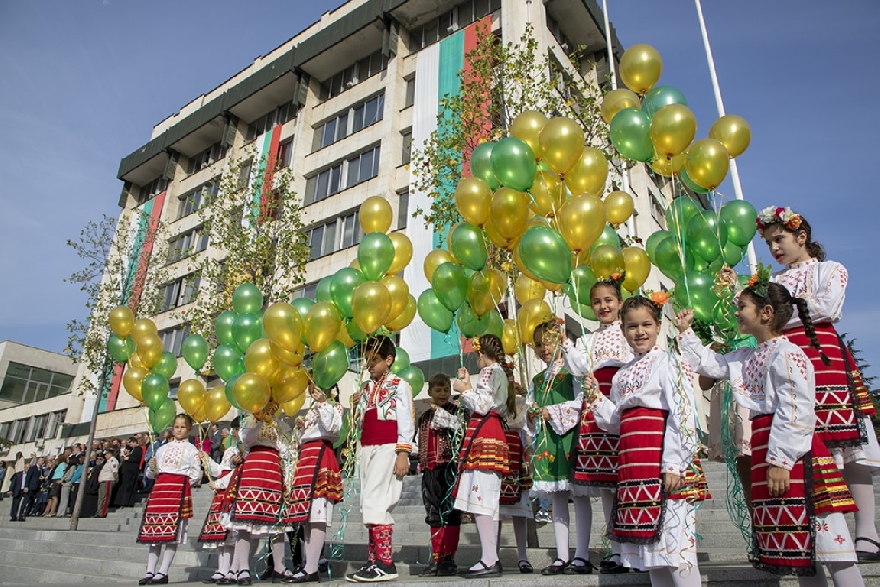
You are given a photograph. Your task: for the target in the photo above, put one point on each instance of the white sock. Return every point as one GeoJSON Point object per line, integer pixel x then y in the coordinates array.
{"type": "Point", "coordinates": [560, 523]}
{"type": "Point", "coordinates": [242, 559]}
{"type": "Point", "coordinates": [687, 577]}
{"type": "Point", "coordinates": [278, 543]}
{"type": "Point", "coordinates": [168, 558]}
{"type": "Point", "coordinates": [583, 511]}
{"type": "Point", "coordinates": [315, 534]}
{"type": "Point", "coordinates": [487, 528]}
{"type": "Point", "coordinates": [153, 558]}
{"type": "Point", "coordinates": [845, 573]}
{"type": "Point", "coordinates": [861, 485]}
{"type": "Point", "coordinates": [224, 558]}
{"type": "Point", "coordinates": [521, 535]}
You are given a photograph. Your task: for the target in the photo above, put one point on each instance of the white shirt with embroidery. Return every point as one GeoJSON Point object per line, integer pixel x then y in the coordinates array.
{"type": "Point", "coordinates": [322, 421]}
{"type": "Point", "coordinates": [654, 380]}
{"type": "Point", "coordinates": [180, 457]}
{"type": "Point", "coordinates": [391, 397]}
{"type": "Point", "coordinates": [821, 283]}
{"type": "Point", "coordinates": [258, 433]}
{"type": "Point", "coordinates": [490, 394]}
{"type": "Point", "coordinates": [775, 378]}
{"type": "Point", "coordinates": [565, 415]}
{"type": "Point", "coordinates": [604, 347]}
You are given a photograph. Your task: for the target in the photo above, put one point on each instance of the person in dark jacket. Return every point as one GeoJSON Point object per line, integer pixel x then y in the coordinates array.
{"type": "Point", "coordinates": [129, 472]}
{"type": "Point", "coordinates": [30, 487]}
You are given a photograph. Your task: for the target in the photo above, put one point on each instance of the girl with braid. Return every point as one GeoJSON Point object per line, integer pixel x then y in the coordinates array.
{"type": "Point", "coordinates": [793, 476]}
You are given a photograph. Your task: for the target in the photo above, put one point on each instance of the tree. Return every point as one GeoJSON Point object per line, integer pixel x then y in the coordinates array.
{"type": "Point", "coordinates": [254, 223]}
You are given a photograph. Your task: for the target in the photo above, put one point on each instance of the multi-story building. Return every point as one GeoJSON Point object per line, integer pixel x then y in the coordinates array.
{"type": "Point", "coordinates": [341, 104]}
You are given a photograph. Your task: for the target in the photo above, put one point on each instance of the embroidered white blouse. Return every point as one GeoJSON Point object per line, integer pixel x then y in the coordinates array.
{"type": "Point", "coordinates": [653, 380]}
{"type": "Point", "coordinates": [257, 433]}
{"type": "Point", "coordinates": [605, 347]}
{"type": "Point", "coordinates": [225, 464]}
{"type": "Point", "coordinates": [490, 394]}
{"type": "Point", "coordinates": [775, 378]}
{"type": "Point", "coordinates": [322, 421]}
{"type": "Point", "coordinates": [179, 457]}
{"type": "Point", "coordinates": [392, 401]}
{"type": "Point", "coordinates": [821, 283]}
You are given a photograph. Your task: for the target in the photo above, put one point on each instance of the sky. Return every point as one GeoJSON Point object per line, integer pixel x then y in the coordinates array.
{"type": "Point", "coordinates": [84, 82]}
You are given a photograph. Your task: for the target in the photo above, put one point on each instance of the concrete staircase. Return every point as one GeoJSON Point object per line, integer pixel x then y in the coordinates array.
{"type": "Point", "coordinates": [103, 551]}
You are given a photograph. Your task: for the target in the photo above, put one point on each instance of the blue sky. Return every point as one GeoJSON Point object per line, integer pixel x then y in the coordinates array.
{"type": "Point", "coordinates": [84, 82]}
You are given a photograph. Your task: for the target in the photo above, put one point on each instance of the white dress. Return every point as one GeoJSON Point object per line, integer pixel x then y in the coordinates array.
{"type": "Point", "coordinates": [179, 457]}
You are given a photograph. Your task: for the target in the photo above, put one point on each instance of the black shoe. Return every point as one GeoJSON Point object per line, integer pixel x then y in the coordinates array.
{"type": "Point", "coordinates": [865, 556]}
{"type": "Point", "coordinates": [147, 579]}
{"type": "Point", "coordinates": [159, 579]}
{"type": "Point", "coordinates": [228, 580]}
{"type": "Point", "coordinates": [525, 567]}
{"type": "Point", "coordinates": [246, 580]}
{"type": "Point", "coordinates": [278, 577]}
{"type": "Point", "coordinates": [447, 568]}
{"type": "Point", "coordinates": [303, 577]}
{"type": "Point", "coordinates": [431, 570]}
{"type": "Point", "coordinates": [213, 580]}
{"type": "Point", "coordinates": [487, 571]}
{"type": "Point", "coordinates": [555, 569]}
{"type": "Point", "coordinates": [575, 569]}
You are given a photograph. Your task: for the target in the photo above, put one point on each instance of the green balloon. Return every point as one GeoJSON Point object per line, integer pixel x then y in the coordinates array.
{"type": "Point", "coordinates": [546, 254]}
{"type": "Point", "coordinates": [739, 216]}
{"type": "Point", "coordinates": [167, 365]}
{"type": "Point", "coordinates": [414, 376]}
{"type": "Point", "coordinates": [118, 348]}
{"type": "Point", "coordinates": [375, 255]}
{"type": "Point", "coordinates": [660, 96]}
{"type": "Point", "coordinates": [468, 244]}
{"type": "Point", "coordinates": [330, 365]}
{"type": "Point", "coordinates": [702, 240]}
{"type": "Point", "coordinates": [401, 361]}
{"type": "Point", "coordinates": [586, 311]}
{"type": "Point", "coordinates": [609, 237]}
{"type": "Point", "coordinates": [694, 290]}
{"type": "Point", "coordinates": [223, 327]}
{"type": "Point", "coordinates": [469, 323]}
{"type": "Point", "coordinates": [678, 215]}
{"type": "Point", "coordinates": [163, 417]}
{"type": "Point", "coordinates": [733, 254]}
{"type": "Point", "coordinates": [496, 324]}
{"type": "Point", "coordinates": [247, 299]}
{"type": "Point", "coordinates": [450, 284]}
{"type": "Point", "coordinates": [228, 361]}
{"type": "Point", "coordinates": [229, 390]}
{"type": "Point", "coordinates": [653, 241]}
{"type": "Point", "coordinates": [631, 134]}
{"type": "Point", "coordinates": [433, 312]}
{"type": "Point", "coordinates": [513, 163]}
{"type": "Point", "coordinates": [302, 306]}
{"type": "Point", "coordinates": [195, 351]}
{"type": "Point", "coordinates": [691, 184]}
{"type": "Point", "coordinates": [481, 164]}
{"type": "Point", "coordinates": [246, 329]}
{"type": "Point", "coordinates": [342, 286]}
{"type": "Point", "coordinates": [154, 390]}
{"type": "Point", "coordinates": [668, 258]}
{"type": "Point", "coordinates": [322, 291]}
{"type": "Point", "coordinates": [582, 281]}
{"type": "Point", "coordinates": [355, 332]}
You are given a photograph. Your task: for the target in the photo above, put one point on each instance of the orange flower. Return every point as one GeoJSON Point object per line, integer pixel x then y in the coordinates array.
{"type": "Point", "coordinates": [616, 276]}
{"type": "Point", "coordinates": [659, 297]}
{"type": "Point", "coordinates": [752, 281]}
{"type": "Point", "coordinates": [795, 222]}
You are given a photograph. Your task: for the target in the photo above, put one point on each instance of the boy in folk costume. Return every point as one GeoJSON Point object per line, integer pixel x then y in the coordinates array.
{"type": "Point", "coordinates": [384, 413]}
{"type": "Point", "coordinates": [176, 468]}
{"type": "Point", "coordinates": [436, 428]}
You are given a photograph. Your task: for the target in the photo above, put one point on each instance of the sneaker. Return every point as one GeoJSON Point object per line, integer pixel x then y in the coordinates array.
{"type": "Point", "coordinates": [375, 573]}
{"type": "Point", "coordinates": [447, 568]}
{"type": "Point", "coordinates": [542, 517]}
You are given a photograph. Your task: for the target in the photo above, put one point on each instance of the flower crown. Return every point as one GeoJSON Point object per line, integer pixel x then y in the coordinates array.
{"type": "Point", "coordinates": [759, 281]}
{"type": "Point", "coordinates": [776, 215]}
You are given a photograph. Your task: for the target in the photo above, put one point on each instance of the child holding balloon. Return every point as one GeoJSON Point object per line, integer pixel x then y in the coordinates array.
{"type": "Point", "coordinates": [176, 467]}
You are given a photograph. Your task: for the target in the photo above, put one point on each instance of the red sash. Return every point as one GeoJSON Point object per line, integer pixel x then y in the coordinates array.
{"type": "Point", "coordinates": [517, 479]}
{"type": "Point", "coordinates": [260, 490]}
{"type": "Point", "coordinates": [169, 502]}
{"type": "Point", "coordinates": [595, 454]}
{"type": "Point", "coordinates": [317, 475]}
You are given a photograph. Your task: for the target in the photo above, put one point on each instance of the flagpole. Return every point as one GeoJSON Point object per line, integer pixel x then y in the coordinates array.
{"type": "Point", "coordinates": [719, 103]}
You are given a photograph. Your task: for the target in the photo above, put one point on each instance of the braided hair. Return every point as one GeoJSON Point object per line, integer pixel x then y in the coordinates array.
{"type": "Point", "coordinates": [636, 302]}
{"type": "Point", "coordinates": [491, 346]}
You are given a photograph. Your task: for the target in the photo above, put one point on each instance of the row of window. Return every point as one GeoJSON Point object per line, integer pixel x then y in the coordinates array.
{"type": "Point", "coordinates": [345, 174]}
{"type": "Point", "coordinates": [458, 17]}
{"type": "Point", "coordinates": [334, 235]}
{"type": "Point", "coordinates": [350, 121]}
{"type": "Point", "coordinates": [191, 201]}
{"type": "Point", "coordinates": [181, 291]}
{"type": "Point", "coordinates": [172, 338]}
{"type": "Point", "coordinates": [25, 384]}
{"type": "Point", "coordinates": [42, 426]}
{"type": "Point", "coordinates": [187, 243]}
{"type": "Point", "coordinates": [207, 157]}
{"type": "Point", "coordinates": [353, 75]}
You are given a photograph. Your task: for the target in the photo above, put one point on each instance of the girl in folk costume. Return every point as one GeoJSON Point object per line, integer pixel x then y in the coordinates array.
{"type": "Point", "coordinates": [214, 534]}
{"type": "Point", "coordinates": [843, 406]}
{"type": "Point", "coordinates": [484, 452]}
{"type": "Point", "coordinates": [594, 460]}
{"type": "Point", "coordinates": [794, 480]}
{"type": "Point", "coordinates": [515, 504]}
{"type": "Point", "coordinates": [317, 484]}
{"type": "Point", "coordinates": [556, 408]}
{"type": "Point", "coordinates": [653, 410]}
{"type": "Point", "coordinates": [176, 468]}
{"type": "Point", "coordinates": [259, 492]}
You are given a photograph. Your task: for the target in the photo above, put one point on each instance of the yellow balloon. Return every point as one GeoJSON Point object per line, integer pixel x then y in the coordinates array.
{"type": "Point", "coordinates": [527, 289]}
{"type": "Point", "coordinates": [638, 267]}
{"type": "Point", "coordinates": [260, 359]}
{"type": "Point", "coordinates": [217, 406]}
{"type": "Point", "coordinates": [707, 163]}
{"type": "Point", "coordinates": [286, 357]}
{"type": "Point", "coordinates": [590, 173]}
{"type": "Point", "coordinates": [562, 142]}
{"type": "Point", "coordinates": [141, 328]}
{"type": "Point", "coordinates": [399, 292]}
{"type": "Point", "coordinates": [497, 283]}
{"type": "Point", "coordinates": [149, 349]}
{"type": "Point", "coordinates": [478, 294]}
{"type": "Point", "coordinates": [132, 380]}
{"type": "Point", "coordinates": [202, 414]}
{"type": "Point", "coordinates": [283, 325]}
{"type": "Point", "coordinates": [640, 68]}
{"type": "Point", "coordinates": [434, 259]}
{"type": "Point", "coordinates": [355, 264]}
{"type": "Point", "coordinates": [121, 320]}
{"type": "Point", "coordinates": [548, 193]}
{"type": "Point", "coordinates": [510, 212]}
{"type": "Point", "coordinates": [375, 215]}
{"type": "Point", "coordinates": [192, 396]}
{"type": "Point", "coordinates": [251, 392]}
{"type": "Point", "coordinates": [404, 319]}
{"type": "Point", "coordinates": [370, 306]}
{"type": "Point", "coordinates": [527, 127]}
{"type": "Point", "coordinates": [581, 220]}
{"type": "Point", "coordinates": [321, 325]}
{"type": "Point", "coordinates": [673, 128]}
{"type": "Point", "coordinates": [293, 407]}
{"type": "Point", "coordinates": [403, 251]}
{"type": "Point", "coordinates": [344, 337]}
{"type": "Point", "coordinates": [292, 385]}
{"type": "Point", "coordinates": [668, 167]}
{"type": "Point", "coordinates": [617, 100]}
{"type": "Point", "coordinates": [531, 314]}
{"type": "Point", "coordinates": [607, 261]}
{"type": "Point", "coordinates": [496, 238]}
{"type": "Point", "coordinates": [618, 208]}
{"type": "Point", "coordinates": [472, 198]}
{"type": "Point", "coordinates": [135, 361]}
{"type": "Point", "coordinates": [581, 258]}
{"type": "Point", "coordinates": [508, 337]}
{"type": "Point", "coordinates": [733, 132]}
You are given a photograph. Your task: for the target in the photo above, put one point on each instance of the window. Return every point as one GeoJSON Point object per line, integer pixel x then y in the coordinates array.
{"type": "Point", "coordinates": [56, 419]}
{"type": "Point", "coordinates": [557, 33]}
{"type": "Point", "coordinates": [269, 120]}
{"type": "Point", "coordinates": [402, 209]}
{"type": "Point", "coordinates": [334, 235]}
{"type": "Point", "coordinates": [36, 428]}
{"type": "Point", "coordinates": [285, 153]}
{"type": "Point", "coordinates": [188, 243]}
{"type": "Point", "coordinates": [244, 175]}
{"type": "Point", "coordinates": [181, 291]}
{"type": "Point", "coordinates": [206, 158]}
{"type": "Point", "coordinates": [24, 384]}
{"type": "Point", "coordinates": [353, 75]}
{"type": "Point", "coordinates": [451, 21]}
{"type": "Point", "coordinates": [342, 175]}
{"type": "Point", "coordinates": [172, 339]}
{"type": "Point", "coordinates": [307, 291]}
{"type": "Point", "coordinates": [362, 115]}
{"type": "Point", "coordinates": [192, 201]}
{"type": "Point", "coordinates": [406, 148]}
{"type": "Point", "coordinates": [350, 230]}
{"type": "Point", "coordinates": [409, 96]}
{"type": "Point", "coordinates": [152, 189]}
{"type": "Point", "coordinates": [17, 433]}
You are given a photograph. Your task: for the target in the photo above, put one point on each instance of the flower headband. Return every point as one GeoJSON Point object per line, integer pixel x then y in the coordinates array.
{"type": "Point", "coordinates": [759, 281]}
{"type": "Point", "coordinates": [776, 215]}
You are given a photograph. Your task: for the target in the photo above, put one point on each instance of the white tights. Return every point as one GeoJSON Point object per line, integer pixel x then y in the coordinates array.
{"type": "Point", "coordinates": [167, 559]}
{"type": "Point", "coordinates": [314, 534]}
{"type": "Point", "coordinates": [487, 528]}
{"type": "Point", "coordinates": [669, 577]}
{"type": "Point", "coordinates": [842, 573]}
{"type": "Point", "coordinates": [861, 485]}
{"type": "Point", "coordinates": [607, 508]}
{"type": "Point", "coordinates": [243, 546]}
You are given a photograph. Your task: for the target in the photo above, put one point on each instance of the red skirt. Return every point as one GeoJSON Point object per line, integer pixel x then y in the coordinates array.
{"type": "Point", "coordinates": [782, 527]}
{"type": "Point", "coordinates": [837, 422]}
{"type": "Point", "coordinates": [595, 454]}
{"type": "Point", "coordinates": [485, 445]}
{"type": "Point", "coordinates": [317, 475]}
{"type": "Point", "coordinates": [260, 489]}
{"type": "Point", "coordinates": [212, 530]}
{"type": "Point", "coordinates": [517, 478]}
{"type": "Point", "coordinates": [169, 502]}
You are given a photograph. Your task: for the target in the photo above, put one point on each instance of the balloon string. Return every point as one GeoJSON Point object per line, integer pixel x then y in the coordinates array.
{"type": "Point", "coordinates": [201, 445]}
